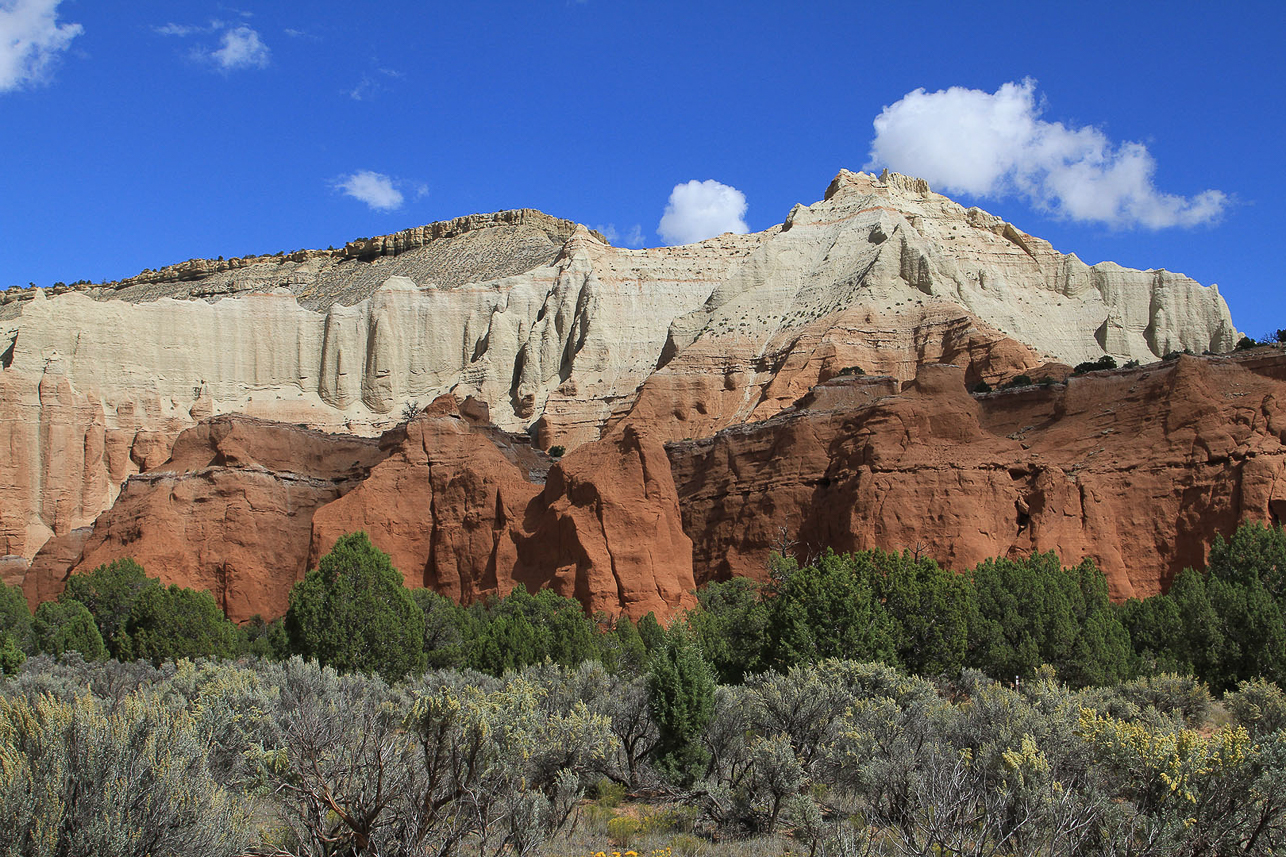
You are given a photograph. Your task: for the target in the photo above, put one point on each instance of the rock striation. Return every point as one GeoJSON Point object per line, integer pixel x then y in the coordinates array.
{"type": "Point", "coordinates": [112, 396]}
{"type": "Point", "coordinates": [1137, 469]}
{"type": "Point", "coordinates": [229, 512]}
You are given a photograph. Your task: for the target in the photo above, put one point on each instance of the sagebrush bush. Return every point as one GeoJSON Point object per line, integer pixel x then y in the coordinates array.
{"type": "Point", "coordinates": [80, 777]}
{"type": "Point", "coordinates": [1258, 705]}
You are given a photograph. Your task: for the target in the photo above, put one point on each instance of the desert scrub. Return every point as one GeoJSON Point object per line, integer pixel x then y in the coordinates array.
{"type": "Point", "coordinates": [83, 777]}
{"type": "Point", "coordinates": [622, 829]}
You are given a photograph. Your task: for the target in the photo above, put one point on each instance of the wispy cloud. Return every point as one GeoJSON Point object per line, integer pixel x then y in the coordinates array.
{"type": "Point", "coordinates": [700, 210]}
{"type": "Point", "coordinates": [375, 189]}
{"type": "Point", "coordinates": [180, 30]}
{"type": "Point", "coordinates": [633, 237]}
{"type": "Point", "coordinates": [373, 83]}
{"type": "Point", "coordinates": [996, 145]}
{"type": "Point", "coordinates": [31, 39]}
{"type": "Point", "coordinates": [239, 46]}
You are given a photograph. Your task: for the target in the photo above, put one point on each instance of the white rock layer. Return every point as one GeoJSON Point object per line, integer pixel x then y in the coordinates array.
{"type": "Point", "coordinates": [882, 271]}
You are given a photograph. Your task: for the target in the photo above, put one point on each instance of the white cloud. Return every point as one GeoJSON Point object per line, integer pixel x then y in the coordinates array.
{"type": "Point", "coordinates": [241, 48]}
{"type": "Point", "coordinates": [632, 238]}
{"type": "Point", "coordinates": [996, 145]}
{"type": "Point", "coordinates": [30, 40]}
{"type": "Point", "coordinates": [700, 210]}
{"type": "Point", "coordinates": [179, 30]}
{"type": "Point", "coordinates": [374, 189]}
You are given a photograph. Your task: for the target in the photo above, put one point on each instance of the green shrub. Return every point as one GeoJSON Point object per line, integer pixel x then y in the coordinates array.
{"type": "Point", "coordinates": [622, 830]}
{"type": "Point", "coordinates": [12, 656]}
{"type": "Point", "coordinates": [608, 793]}
{"type": "Point", "coordinates": [15, 616]}
{"type": "Point", "coordinates": [110, 592]}
{"type": "Point", "coordinates": [681, 701]}
{"type": "Point", "coordinates": [557, 451]}
{"type": "Point", "coordinates": [523, 629]}
{"type": "Point", "coordinates": [731, 627]}
{"type": "Point", "coordinates": [1107, 361]}
{"type": "Point", "coordinates": [169, 623]}
{"type": "Point", "coordinates": [353, 612]}
{"type": "Point", "coordinates": [67, 626]}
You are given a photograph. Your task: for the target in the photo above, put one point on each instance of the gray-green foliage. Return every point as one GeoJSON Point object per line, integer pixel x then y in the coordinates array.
{"type": "Point", "coordinates": [1259, 706]}
{"type": "Point", "coordinates": [78, 776]}
{"type": "Point", "coordinates": [451, 758]}
{"type": "Point", "coordinates": [855, 756]}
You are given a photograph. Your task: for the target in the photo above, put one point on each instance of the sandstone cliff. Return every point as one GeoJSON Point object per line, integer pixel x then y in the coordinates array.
{"type": "Point", "coordinates": [559, 335]}
{"type": "Point", "coordinates": [1137, 468]}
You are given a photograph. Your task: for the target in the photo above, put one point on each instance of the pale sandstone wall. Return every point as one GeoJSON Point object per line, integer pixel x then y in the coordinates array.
{"type": "Point", "coordinates": [554, 329]}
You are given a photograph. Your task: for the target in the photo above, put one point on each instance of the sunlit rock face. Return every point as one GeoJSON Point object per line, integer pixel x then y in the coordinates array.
{"type": "Point", "coordinates": [557, 334]}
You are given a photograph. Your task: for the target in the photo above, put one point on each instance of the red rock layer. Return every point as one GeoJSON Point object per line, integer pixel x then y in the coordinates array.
{"type": "Point", "coordinates": [230, 512]}
{"type": "Point", "coordinates": [455, 507]}
{"type": "Point", "coordinates": [1138, 469]}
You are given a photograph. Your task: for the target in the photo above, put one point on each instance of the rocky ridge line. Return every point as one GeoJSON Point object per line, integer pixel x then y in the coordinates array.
{"type": "Point", "coordinates": [364, 249]}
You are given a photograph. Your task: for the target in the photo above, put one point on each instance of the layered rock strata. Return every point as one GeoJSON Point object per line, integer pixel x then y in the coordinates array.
{"type": "Point", "coordinates": [245, 507]}
{"type": "Point", "coordinates": [1136, 469]}
{"type": "Point", "coordinates": [558, 335]}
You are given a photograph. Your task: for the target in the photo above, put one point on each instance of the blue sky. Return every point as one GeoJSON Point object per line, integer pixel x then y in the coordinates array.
{"type": "Point", "coordinates": [139, 134]}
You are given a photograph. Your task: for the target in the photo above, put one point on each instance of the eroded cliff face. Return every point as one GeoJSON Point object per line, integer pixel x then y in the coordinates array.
{"type": "Point", "coordinates": [1137, 469]}
{"type": "Point", "coordinates": [245, 506]}
{"type": "Point", "coordinates": [231, 512]}
{"type": "Point", "coordinates": [560, 336]}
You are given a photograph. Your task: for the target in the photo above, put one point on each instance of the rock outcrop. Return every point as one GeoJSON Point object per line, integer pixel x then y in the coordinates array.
{"type": "Point", "coordinates": [1137, 469]}
{"type": "Point", "coordinates": [552, 333]}
{"type": "Point", "coordinates": [244, 507]}
{"type": "Point", "coordinates": [230, 512]}
{"type": "Point", "coordinates": [458, 509]}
